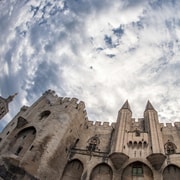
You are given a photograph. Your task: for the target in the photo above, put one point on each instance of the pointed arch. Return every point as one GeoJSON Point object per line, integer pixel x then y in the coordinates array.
{"type": "Point", "coordinates": [171, 172]}
{"type": "Point", "coordinates": [93, 143]}
{"type": "Point", "coordinates": [170, 148]}
{"type": "Point", "coordinates": [137, 170]}
{"type": "Point", "coordinates": [23, 140]}
{"type": "Point", "coordinates": [73, 170]}
{"type": "Point", "coordinates": [102, 172]}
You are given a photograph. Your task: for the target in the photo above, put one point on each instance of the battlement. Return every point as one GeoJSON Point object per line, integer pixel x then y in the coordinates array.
{"type": "Point", "coordinates": [73, 103]}
{"type": "Point", "coordinates": [24, 108]}
{"type": "Point", "coordinates": [49, 92]}
{"type": "Point", "coordinates": [171, 126]}
{"type": "Point", "coordinates": [99, 124]}
{"type": "Point", "coordinates": [66, 101]}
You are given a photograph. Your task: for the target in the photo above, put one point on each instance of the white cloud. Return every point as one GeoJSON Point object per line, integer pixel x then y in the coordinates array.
{"type": "Point", "coordinates": [102, 53]}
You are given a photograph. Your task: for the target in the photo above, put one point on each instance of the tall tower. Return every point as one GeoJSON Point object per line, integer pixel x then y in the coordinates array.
{"type": "Point", "coordinates": [123, 125]}
{"type": "Point", "coordinates": [4, 105]}
{"type": "Point", "coordinates": [156, 158]}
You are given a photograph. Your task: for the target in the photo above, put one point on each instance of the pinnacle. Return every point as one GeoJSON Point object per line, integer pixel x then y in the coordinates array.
{"type": "Point", "coordinates": [126, 105]}
{"type": "Point", "coordinates": [149, 106]}
{"type": "Point", "coordinates": [10, 98]}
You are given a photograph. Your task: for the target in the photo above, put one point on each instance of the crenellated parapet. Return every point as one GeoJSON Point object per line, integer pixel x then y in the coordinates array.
{"type": "Point", "coordinates": [65, 103]}
{"type": "Point", "coordinates": [53, 139]}
{"type": "Point", "coordinates": [49, 92]}
{"type": "Point", "coordinates": [170, 126]}
{"type": "Point", "coordinates": [99, 124]}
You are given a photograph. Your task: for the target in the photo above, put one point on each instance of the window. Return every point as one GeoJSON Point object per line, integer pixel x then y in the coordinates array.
{"type": "Point", "coordinates": [93, 143]}
{"type": "Point", "coordinates": [137, 170]}
{"type": "Point", "coordinates": [22, 141]}
{"type": "Point", "coordinates": [18, 150]}
{"type": "Point", "coordinates": [170, 148]}
{"type": "Point", "coordinates": [45, 114]}
{"type": "Point", "coordinates": [137, 132]}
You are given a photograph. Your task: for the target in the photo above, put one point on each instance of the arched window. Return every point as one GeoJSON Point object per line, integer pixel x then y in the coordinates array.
{"type": "Point", "coordinates": [171, 172]}
{"type": "Point", "coordinates": [23, 140]}
{"type": "Point", "coordinates": [93, 143]}
{"type": "Point", "coordinates": [170, 148]}
{"type": "Point", "coordinates": [73, 170]}
{"type": "Point", "coordinates": [136, 171]}
{"type": "Point", "coordinates": [102, 172]}
{"type": "Point", "coordinates": [45, 114]}
{"type": "Point", "coordinates": [140, 144]}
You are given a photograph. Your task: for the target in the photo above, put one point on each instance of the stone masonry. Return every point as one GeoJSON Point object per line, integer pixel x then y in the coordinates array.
{"type": "Point", "coordinates": [54, 140]}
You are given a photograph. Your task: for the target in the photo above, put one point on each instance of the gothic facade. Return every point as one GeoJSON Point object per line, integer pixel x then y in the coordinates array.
{"type": "Point", "coordinates": [54, 140]}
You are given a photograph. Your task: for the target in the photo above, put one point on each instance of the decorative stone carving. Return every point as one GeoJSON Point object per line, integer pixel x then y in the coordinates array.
{"type": "Point", "coordinates": [156, 160]}
{"type": "Point", "coordinates": [93, 143]}
{"type": "Point", "coordinates": [170, 148]}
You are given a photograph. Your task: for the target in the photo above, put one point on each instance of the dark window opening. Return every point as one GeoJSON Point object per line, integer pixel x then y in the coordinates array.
{"type": "Point", "coordinates": [31, 148]}
{"type": "Point", "coordinates": [77, 140]}
{"type": "Point", "coordinates": [93, 143]}
{"type": "Point", "coordinates": [137, 170]}
{"type": "Point", "coordinates": [45, 114]}
{"type": "Point", "coordinates": [18, 150]}
{"type": "Point", "coordinates": [137, 133]}
{"type": "Point", "coordinates": [170, 148]}
{"type": "Point", "coordinates": [34, 131]}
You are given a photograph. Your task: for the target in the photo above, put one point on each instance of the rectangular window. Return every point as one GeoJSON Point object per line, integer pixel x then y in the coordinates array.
{"type": "Point", "coordinates": [137, 171]}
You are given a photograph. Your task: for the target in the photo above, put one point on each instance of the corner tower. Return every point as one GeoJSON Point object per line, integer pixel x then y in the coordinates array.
{"type": "Point", "coordinates": [38, 140]}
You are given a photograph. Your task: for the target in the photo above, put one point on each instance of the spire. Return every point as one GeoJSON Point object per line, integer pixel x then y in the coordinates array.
{"type": "Point", "coordinates": [126, 106]}
{"type": "Point", "coordinates": [149, 106]}
{"type": "Point", "coordinates": [10, 98]}
{"type": "Point", "coordinates": [4, 105]}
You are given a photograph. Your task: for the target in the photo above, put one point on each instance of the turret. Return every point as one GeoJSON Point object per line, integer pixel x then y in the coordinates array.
{"type": "Point", "coordinates": [118, 156]}
{"type": "Point", "coordinates": [4, 105]}
{"type": "Point", "coordinates": [152, 127]}
{"type": "Point", "coordinates": [122, 126]}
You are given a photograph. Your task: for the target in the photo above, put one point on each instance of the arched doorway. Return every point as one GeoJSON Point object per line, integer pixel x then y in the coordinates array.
{"type": "Point", "coordinates": [102, 172]}
{"type": "Point", "coordinates": [23, 140]}
{"type": "Point", "coordinates": [137, 171]}
{"type": "Point", "coordinates": [171, 172]}
{"type": "Point", "coordinates": [73, 170]}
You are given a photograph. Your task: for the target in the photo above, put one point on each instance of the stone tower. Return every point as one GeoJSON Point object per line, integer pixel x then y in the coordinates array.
{"type": "Point", "coordinates": [53, 139]}
{"type": "Point", "coordinates": [157, 156]}
{"type": "Point", "coordinates": [4, 105]}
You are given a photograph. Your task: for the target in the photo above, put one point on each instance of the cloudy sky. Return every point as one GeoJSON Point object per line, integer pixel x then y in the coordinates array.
{"type": "Point", "coordinates": [102, 52]}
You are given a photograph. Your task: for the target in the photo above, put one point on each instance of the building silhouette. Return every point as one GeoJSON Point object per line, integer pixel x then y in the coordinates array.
{"type": "Point", "coordinates": [54, 140]}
